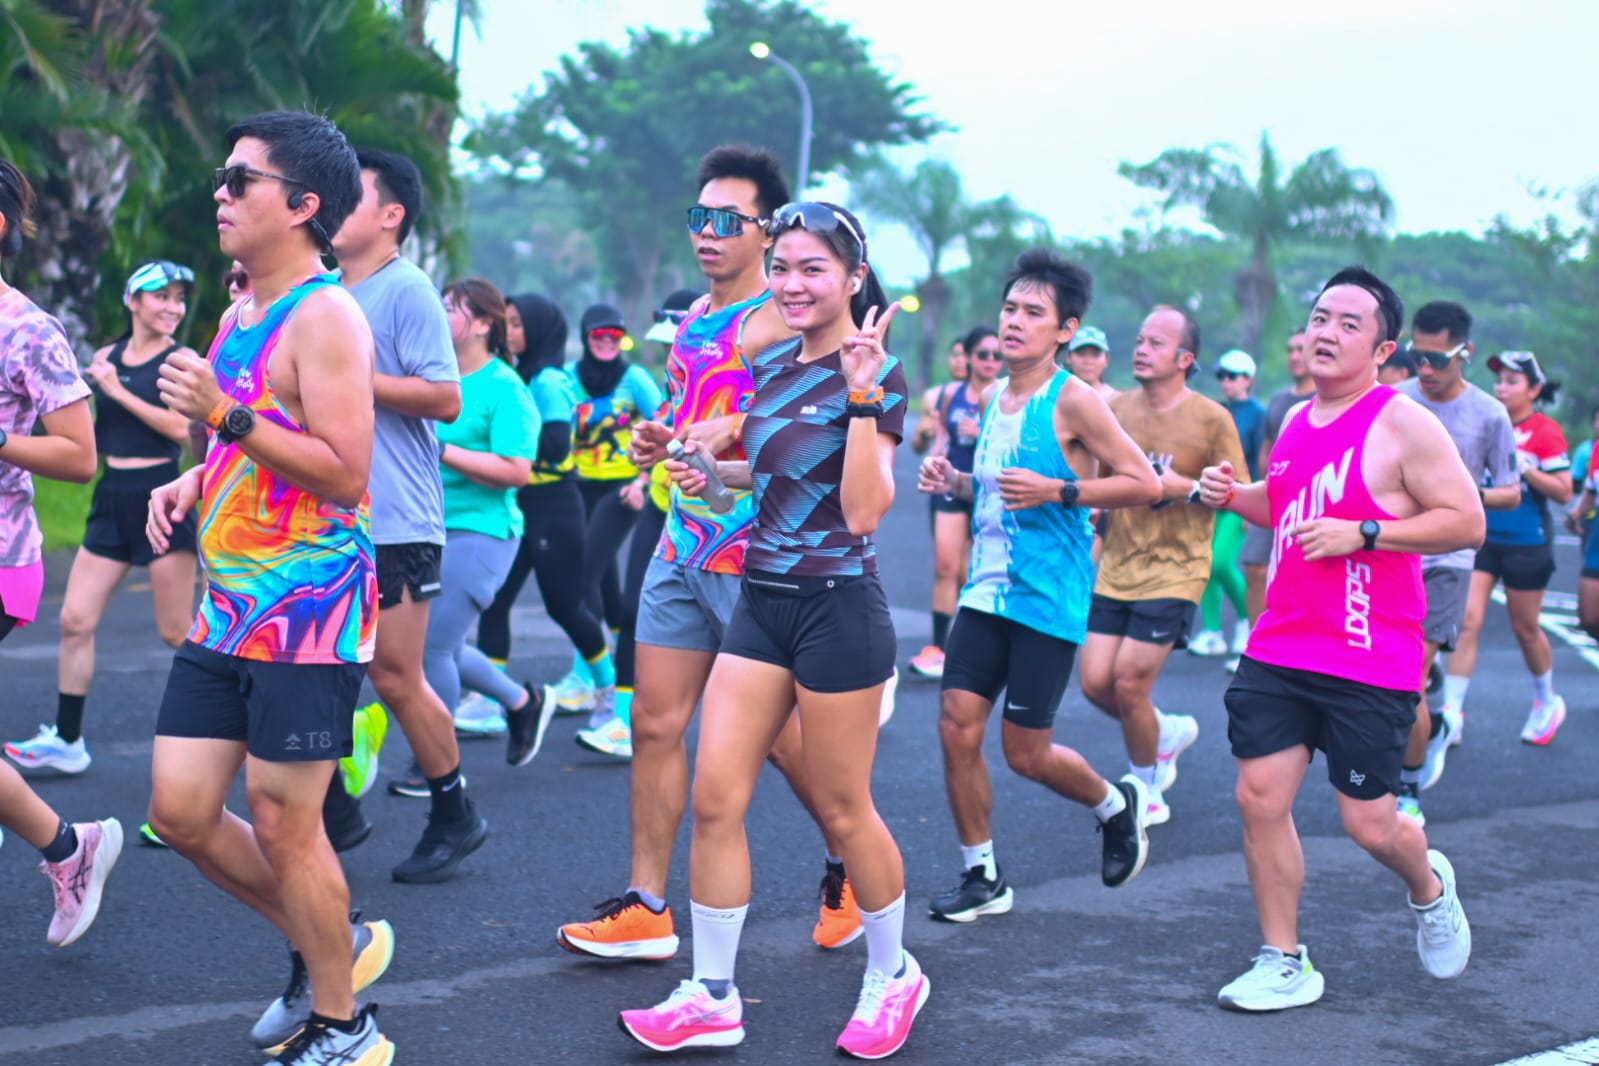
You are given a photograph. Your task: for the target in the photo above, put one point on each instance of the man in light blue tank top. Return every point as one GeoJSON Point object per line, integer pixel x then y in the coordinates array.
{"type": "Point", "coordinates": [1025, 606]}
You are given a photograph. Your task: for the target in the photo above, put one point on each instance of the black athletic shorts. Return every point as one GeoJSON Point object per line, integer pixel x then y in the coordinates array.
{"type": "Point", "coordinates": [284, 712]}
{"type": "Point", "coordinates": [408, 566]}
{"type": "Point", "coordinates": [1159, 621]}
{"type": "Point", "coordinates": [834, 633]}
{"type": "Point", "coordinates": [987, 654]}
{"type": "Point", "coordinates": [1362, 728]}
{"type": "Point", "coordinates": [947, 504]}
{"type": "Point", "coordinates": [120, 510]}
{"type": "Point", "coordinates": [1522, 567]}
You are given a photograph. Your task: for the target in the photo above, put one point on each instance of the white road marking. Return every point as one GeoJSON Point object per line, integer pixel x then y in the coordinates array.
{"type": "Point", "coordinates": [1559, 619]}
{"type": "Point", "coordinates": [1583, 1051]}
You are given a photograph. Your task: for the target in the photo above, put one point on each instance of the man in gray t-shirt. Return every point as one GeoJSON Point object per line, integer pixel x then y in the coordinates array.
{"type": "Point", "coordinates": [1481, 430]}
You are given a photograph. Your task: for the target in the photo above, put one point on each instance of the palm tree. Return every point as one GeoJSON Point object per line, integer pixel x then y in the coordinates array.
{"type": "Point", "coordinates": [1322, 200]}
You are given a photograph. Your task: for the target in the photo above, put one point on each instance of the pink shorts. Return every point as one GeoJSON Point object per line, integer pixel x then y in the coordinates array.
{"type": "Point", "coordinates": [20, 590]}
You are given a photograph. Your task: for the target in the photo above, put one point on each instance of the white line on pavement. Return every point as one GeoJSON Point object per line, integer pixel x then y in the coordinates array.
{"type": "Point", "coordinates": [1583, 1051]}
{"type": "Point", "coordinates": [1560, 621]}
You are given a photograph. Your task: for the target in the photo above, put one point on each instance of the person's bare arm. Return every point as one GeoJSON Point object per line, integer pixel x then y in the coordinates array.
{"type": "Point", "coordinates": [417, 397]}
{"type": "Point", "coordinates": [165, 421]}
{"type": "Point", "coordinates": [1502, 497]}
{"type": "Point", "coordinates": [926, 422]}
{"type": "Point", "coordinates": [1132, 481]}
{"type": "Point", "coordinates": [486, 468]}
{"type": "Point", "coordinates": [66, 451]}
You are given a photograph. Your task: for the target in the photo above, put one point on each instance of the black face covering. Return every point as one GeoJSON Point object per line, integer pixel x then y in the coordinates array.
{"type": "Point", "coordinates": [600, 376]}
{"type": "Point", "coordinates": [544, 326]}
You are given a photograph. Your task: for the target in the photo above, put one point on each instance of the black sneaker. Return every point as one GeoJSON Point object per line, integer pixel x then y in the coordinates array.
{"type": "Point", "coordinates": [442, 847]}
{"type": "Point", "coordinates": [345, 823]}
{"type": "Point", "coordinates": [1126, 837]}
{"type": "Point", "coordinates": [976, 895]}
{"type": "Point", "coordinates": [411, 783]}
{"type": "Point", "coordinates": [524, 729]}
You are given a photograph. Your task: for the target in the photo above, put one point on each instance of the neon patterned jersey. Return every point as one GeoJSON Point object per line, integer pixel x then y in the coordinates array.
{"type": "Point", "coordinates": [289, 575]}
{"type": "Point", "coordinates": [707, 377]}
{"type": "Point", "coordinates": [602, 426]}
{"type": "Point", "coordinates": [796, 433]}
{"type": "Point", "coordinates": [1034, 566]}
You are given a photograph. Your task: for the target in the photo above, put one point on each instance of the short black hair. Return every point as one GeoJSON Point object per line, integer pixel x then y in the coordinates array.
{"type": "Point", "coordinates": [310, 150]}
{"type": "Point", "coordinates": [1402, 359]}
{"type": "Point", "coordinates": [977, 335]}
{"type": "Point", "coordinates": [1390, 308]}
{"type": "Point", "coordinates": [398, 182]}
{"type": "Point", "coordinates": [1071, 285]}
{"type": "Point", "coordinates": [753, 164]}
{"type": "Point", "coordinates": [1446, 316]}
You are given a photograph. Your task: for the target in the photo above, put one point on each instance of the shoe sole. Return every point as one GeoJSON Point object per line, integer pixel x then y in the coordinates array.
{"type": "Point", "coordinates": [466, 731]}
{"type": "Point", "coordinates": [371, 964]}
{"type": "Point", "coordinates": [921, 1001]}
{"type": "Point", "coordinates": [546, 715]}
{"type": "Point", "coordinates": [408, 792]}
{"type": "Point", "coordinates": [47, 763]}
{"type": "Point", "coordinates": [1542, 739]}
{"type": "Point", "coordinates": [1169, 772]}
{"type": "Point", "coordinates": [104, 859]}
{"type": "Point", "coordinates": [855, 934]}
{"type": "Point", "coordinates": [586, 743]}
{"type": "Point", "coordinates": [445, 872]}
{"type": "Point", "coordinates": [352, 841]}
{"type": "Point", "coordinates": [725, 1038]}
{"type": "Point", "coordinates": [1000, 904]}
{"type": "Point", "coordinates": [657, 950]}
{"type": "Point", "coordinates": [1159, 816]}
{"type": "Point", "coordinates": [925, 675]}
{"type": "Point", "coordinates": [1297, 1000]}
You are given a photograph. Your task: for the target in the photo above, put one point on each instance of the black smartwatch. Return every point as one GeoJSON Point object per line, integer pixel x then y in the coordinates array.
{"type": "Point", "coordinates": [1069, 493]}
{"type": "Point", "coordinates": [1369, 530]}
{"type": "Point", "coordinates": [237, 423]}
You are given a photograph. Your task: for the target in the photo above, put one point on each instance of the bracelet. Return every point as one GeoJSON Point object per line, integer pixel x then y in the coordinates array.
{"type": "Point", "coordinates": [214, 419]}
{"type": "Point", "coordinates": [863, 410]}
{"type": "Point", "coordinates": [867, 397]}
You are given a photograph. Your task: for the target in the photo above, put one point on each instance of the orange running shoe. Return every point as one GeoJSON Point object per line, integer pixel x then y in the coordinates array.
{"type": "Point", "coordinates": [623, 928]}
{"type": "Point", "coordinates": [929, 662]}
{"type": "Point", "coordinates": [840, 920]}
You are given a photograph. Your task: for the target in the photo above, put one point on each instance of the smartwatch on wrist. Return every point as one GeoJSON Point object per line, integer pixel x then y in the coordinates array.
{"type": "Point", "coordinates": [1069, 493]}
{"type": "Point", "coordinates": [237, 423]}
{"type": "Point", "coordinates": [1194, 494]}
{"type": "Point", "coordinates": [865, 403]}
{"type": "Point", "coordinates": [1369, 530]}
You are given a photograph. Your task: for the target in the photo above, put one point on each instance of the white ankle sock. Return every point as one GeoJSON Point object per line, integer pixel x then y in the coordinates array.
{"type": "Point", "coordinates": [716, 933]}
{"type": "Point", "coordinates": [1543, 687]}
{"type": "Point", "coordinates": [1146, 774]}
{"type": "Point", "coordinates": [980, 855]}
{"type": "Point", "coordinates": [1455, 690]}
{"type": "Point", "coordinates": [885, 937]}
{"type": "Point", "coordinates": [1112, 805]}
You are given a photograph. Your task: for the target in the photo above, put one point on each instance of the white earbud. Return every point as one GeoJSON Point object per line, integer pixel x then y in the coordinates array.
{"type": "Point", "coordinates": [855, 286]}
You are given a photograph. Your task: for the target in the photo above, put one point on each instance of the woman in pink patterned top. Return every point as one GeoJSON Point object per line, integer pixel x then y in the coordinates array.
{"type": "Point", "coordinates": [39, 381]}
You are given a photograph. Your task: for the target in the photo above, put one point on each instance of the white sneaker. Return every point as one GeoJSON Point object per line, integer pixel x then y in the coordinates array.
{"type": "Point", "coordinates": [1457, 724]}
{"type": "Point", "coordinates": [1432, 767]}
{"type": "Point", "coordinates": [1159, 811]}
{"type": "Point", "coordinates": [611, 738]}
{"type": "Point", "coordinates": [1274, 982]}
{"type": "Point", "coordinates": [1443, 936]}
{"type": "Point", "coordinates": [574, 694]}
{"type": "Point", "coordinates": [885, 711]}
{"type": "Point", "coordinates": [1177, 734]}
{"type": "Point", "coordinates": [1207, 642]}
{"type": "Point", "coordinates": [478, 716]}
{"type": "Point", "coordinates": [1543, 721]}
{"type": "Point", "coordinates": [1241, 636]}
{"type": "Point", "coordinates": [47, 751]}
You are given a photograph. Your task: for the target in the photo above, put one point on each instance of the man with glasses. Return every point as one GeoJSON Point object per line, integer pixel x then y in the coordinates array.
{"type": "Point", "coordinates": [1087, 356]}
{"type": "Point", "coordinates": [1440, 340]}
{"type": "Point", "coordinates": [1156, 559]}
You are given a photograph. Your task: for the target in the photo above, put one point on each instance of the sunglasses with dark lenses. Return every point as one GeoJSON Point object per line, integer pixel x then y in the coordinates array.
{"type": "Point", "coordinates": [237, 178]}
{"type": "Point", "coordinates": [607, 333]}
{"type": "Point", "coordinates": [673, 316]}
{"type": "Point", "coordinates": [986, 355]}
{"type": "Point", "coordinates": [813, 218]}
{"type": "Point", "coordinates": [1437, 360]}
{"type": "Point", "coordinates": [236, 279]}
{"type": "Point", "coordinates": [1230, 375]}
{"type": "Point", "coordinates": [724, 222]}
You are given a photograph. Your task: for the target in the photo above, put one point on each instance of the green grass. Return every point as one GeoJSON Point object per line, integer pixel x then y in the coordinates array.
{"type": "Point", "coordinates": [63, 508]}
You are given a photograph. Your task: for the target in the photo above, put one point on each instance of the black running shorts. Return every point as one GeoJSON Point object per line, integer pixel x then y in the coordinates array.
{"type": "Point", "coordinates": [1159, 621]}
{"type": "Point", "coordinates": [1522, 567]}
{"type": "Point", "coordinates": [834, 633]}
{"type": "Point", "coordinates": [413, 566]}
{"type": "Point", "coordinates": [119, 511]}
{"type": "Point", "coordinates": [1362, 728]}
{"type": "Point", "coordinates": [284, 712]}
{"type": "Point", "coordinates": [986, 655]}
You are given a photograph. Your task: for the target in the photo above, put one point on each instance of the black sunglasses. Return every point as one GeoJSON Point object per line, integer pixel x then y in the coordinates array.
{"type": "Point", "coordinates": [1230, 375]}
{"type": "Point", "coordinates": [814, 218]}
{"type": "Point", "coordinates": [236, 278]}
{"type": "Point", "coordinates": [1438, 360]}
{"type": "Point", "coordinates": [671, 315]}
{"type": "Point", "coordinates": [724, 222]}
{"type": "Point", "coordinates": [237, 179]}
{"type": "Point", "coordinates": [987, 355]}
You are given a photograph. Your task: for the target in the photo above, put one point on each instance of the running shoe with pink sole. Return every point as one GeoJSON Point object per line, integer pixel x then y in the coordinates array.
{"type": "Point", "coordinates": [1544, 721]}
{"type": "Point", "coordinates": [885, 1012]}
{"type": "Point", "coordinates": [689, 1017]}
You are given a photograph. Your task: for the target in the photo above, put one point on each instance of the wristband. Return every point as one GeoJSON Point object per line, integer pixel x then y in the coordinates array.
{"type": "Point", "coordinates": [863, 410]}
{"type": "Point", "coordinates": [214, 419]}
{"type": "Point", "coordinates": [867, 397]}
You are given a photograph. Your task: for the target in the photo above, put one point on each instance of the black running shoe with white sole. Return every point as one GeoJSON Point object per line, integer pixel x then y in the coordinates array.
{"type": "Point", "coordinates": [525, 728]}
{"type": "Point", "coordinates": [1126, 837]}
{"type": "Point", "coordinates": [975, 896]}
{"type": "Point", "coordinates": [443, 847]}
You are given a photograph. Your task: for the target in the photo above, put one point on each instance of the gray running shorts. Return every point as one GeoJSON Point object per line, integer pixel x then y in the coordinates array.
{"type": "Point", "coordinates": [684, 607]}
{"type": "Point", "coordinates": [1448, 589]}
{"type": "Point", "coordinates": [1257, 546]}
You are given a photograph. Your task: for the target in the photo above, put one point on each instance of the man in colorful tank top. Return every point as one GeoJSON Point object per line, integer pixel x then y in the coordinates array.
{"type": "Point", "coordinates": [692, 584]}
{"type": "Point", "coordinates": [1024, 610]}
{"type": "Point", "coordinates": [274, 662]}
{"type": "Point", "coordinates": [1362, 482]}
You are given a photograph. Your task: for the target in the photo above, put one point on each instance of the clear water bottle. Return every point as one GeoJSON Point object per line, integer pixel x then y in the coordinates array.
{"type": "Point", "coordinates": [717, 496]}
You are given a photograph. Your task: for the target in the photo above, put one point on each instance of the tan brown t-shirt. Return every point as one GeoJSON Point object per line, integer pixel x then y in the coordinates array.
{"type": "Point", "coordinates": [1165, 553]}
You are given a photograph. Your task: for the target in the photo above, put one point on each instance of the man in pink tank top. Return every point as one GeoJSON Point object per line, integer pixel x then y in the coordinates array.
{"type": "Point", "coordinates": [1362, 482]}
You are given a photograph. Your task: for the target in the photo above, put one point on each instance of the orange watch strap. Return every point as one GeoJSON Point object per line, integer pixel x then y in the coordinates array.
{"type": "Point", "coordinates": [224, 405]}
{"type": "Point", "coordinates": [869, 396]}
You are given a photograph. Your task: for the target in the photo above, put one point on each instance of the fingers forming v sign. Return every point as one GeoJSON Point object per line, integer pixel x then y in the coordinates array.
{"type": "Point", "coordinates": [863, 355]}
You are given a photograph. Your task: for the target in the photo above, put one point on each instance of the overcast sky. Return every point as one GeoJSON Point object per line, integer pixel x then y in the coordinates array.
{"type": "Point", "coordinates": [1459, 105]}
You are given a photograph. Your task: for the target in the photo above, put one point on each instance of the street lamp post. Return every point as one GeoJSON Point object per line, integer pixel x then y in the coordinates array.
{"type": "Point", "coordinates": [760, 50]}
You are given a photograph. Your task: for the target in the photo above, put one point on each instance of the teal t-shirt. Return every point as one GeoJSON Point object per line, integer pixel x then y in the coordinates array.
{"type": "Point", "coordinates": [497, 416]}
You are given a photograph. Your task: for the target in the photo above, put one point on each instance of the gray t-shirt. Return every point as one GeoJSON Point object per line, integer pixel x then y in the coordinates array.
{"type": "Point", "coordinates": [1277, 410]}
{"type": "Point", "coordinates": [1480, 427]}
{"type": "Point", "coordinates": [412, 338]}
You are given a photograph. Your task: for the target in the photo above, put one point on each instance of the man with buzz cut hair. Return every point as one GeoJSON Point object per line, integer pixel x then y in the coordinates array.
{"type": "Point", "coordinates": [272, 667]}
{"type": "Point", "coordinates": [1362, 482]}
{"type": "Point", "coordinates": [1024, 610]}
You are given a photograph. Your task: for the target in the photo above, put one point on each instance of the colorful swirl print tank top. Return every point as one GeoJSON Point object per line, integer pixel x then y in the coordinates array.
{"type": "Point", "coordinates": [289, 575]}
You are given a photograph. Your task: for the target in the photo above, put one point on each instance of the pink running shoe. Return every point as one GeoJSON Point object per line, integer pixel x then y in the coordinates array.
{"type": "Point", "coordinates": [79, 879]}
{"type": "Point", "coordinates": [689, 1017]}
{"type": "Point", "coordinates": [884, 1013]}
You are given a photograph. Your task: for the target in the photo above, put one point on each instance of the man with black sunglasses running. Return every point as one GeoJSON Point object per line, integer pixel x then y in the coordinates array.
{"type": "Point", "coordinates": [1440, 340]}
{"type": "Point", "coordinates": [693, 582]}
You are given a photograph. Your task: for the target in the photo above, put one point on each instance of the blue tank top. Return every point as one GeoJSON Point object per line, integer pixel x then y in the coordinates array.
{"type": "Point", "coordinates": [961, 421]}
{"type": "Point", "coordinates": [1034, 567]}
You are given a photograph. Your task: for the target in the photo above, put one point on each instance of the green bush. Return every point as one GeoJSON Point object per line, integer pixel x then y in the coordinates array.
{"type": "Point", "coordinates": [63, 508]}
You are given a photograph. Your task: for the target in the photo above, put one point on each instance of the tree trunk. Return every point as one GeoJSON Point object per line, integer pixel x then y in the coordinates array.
{"type": "Point", "coordinates": [935, 294]}
{"type": "Point", "coordinates": [1255, 290]}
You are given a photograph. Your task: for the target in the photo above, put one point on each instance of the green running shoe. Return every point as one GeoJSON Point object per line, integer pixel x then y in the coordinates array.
{"type": "Point", "coordinates": [360, 769]}
{"type": "Point", "coordinates": [147, 837]}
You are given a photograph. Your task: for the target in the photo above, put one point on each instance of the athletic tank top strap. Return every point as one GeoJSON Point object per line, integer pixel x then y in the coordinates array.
{"type": "Point", "coordinates": [1356, 616]}
{"type": "Point", "coordinates": [962, 419]}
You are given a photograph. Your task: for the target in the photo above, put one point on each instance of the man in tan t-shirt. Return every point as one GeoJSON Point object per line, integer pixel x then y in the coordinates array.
{"type": "Point", "coordinates": [1156, 560]}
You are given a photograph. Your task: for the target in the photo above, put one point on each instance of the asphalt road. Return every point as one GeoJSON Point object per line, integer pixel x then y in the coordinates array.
{"type": "Point", "coordinates": [175, 972]}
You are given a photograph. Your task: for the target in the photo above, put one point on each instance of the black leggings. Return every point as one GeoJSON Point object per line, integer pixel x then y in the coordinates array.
{"type": "Point", "coordinates": [646, 535]}
{"type": "Point", "coordinates": [552, 549]}
{"type": "Point", "coordinates": [609, 522]}
{"type": "Point", "coordinates": [7, 624]}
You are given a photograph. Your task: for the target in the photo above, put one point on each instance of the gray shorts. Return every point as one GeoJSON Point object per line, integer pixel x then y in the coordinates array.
{"type": "Point", "coordinates": [1448, 589]}
{"type": "Point", "coordinates": [1257, 546]}
{"type": "Point", "coordinates": [684, 607]}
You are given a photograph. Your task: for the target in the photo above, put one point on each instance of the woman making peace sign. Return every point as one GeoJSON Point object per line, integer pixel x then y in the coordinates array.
{"type": "Point", "coordinates": [812, 626]}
